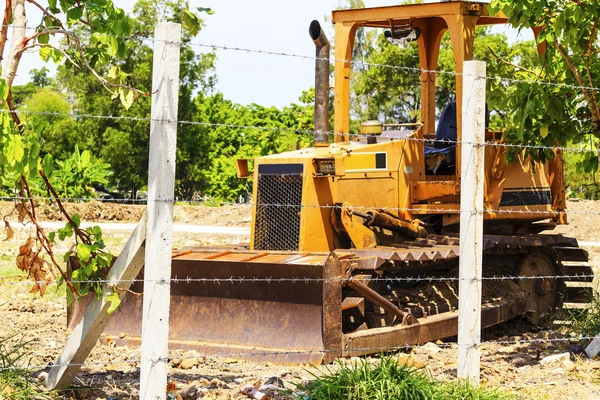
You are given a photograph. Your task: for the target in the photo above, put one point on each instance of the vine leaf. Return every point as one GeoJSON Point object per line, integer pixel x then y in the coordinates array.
{"type": "Point", "coordinates": [22, 210]}
{"type": "Point", "coordinates": [26, 255]}
{"type": "Point", "coordinates": [9, 231]}
{"type": "Point", "coordinates": [84, 252]}
{"type": "Point", "coordinates": [114, 301]}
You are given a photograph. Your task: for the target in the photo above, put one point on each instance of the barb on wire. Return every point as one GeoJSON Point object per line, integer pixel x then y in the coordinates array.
{"type": "Point", "coordinates": [416, 209]}
{"type": "Point", "coordinates": [311, 131]}
{"type": "Point", "coordinates": [503, 80]}
{"type": "Point", "coordinates": [273, 280]}
{"type": "Point", "coordinates": [372, 350]}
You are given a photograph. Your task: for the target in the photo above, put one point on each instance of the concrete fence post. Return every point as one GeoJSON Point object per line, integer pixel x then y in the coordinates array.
{"type": "Point", "coordinates": [161, 192]}
{"type": "Point", "coordinates": [471, 220]}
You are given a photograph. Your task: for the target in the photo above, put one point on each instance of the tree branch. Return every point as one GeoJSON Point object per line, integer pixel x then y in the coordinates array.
{"type": "Point", "coordinates": [13, 113]}
{"type": "Point", "coordinates": [79, 232]}
{"type": "Point", "coordinates": [4, 30]}
{"type": "Point", "coordinates": [45, 240]}
{"type": "Point", "coordinates": [588, 53]}
{"type": "Point", "coordinates": [586, 94]}
{"type": "Point", "coordinates": [77, 43]}
{"type": "Point", "coordinates": [46, 13]}
{"type": "Point", "coordinates": [31, 46]}
{"type": "Point", "coordinates": [511, 64]}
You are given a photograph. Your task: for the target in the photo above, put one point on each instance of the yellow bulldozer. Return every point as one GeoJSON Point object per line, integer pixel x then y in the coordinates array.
{"type": "Point", "coordinates": [354, 246]}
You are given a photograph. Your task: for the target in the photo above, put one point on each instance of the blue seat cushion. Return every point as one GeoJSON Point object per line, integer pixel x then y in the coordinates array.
{"type": "Point", "coordinates": [440, 160]}
{"type": "Point", "coordinates": [446, 128]}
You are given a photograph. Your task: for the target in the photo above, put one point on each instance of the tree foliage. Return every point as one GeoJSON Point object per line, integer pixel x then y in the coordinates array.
{"type": "Point", "coordinates": [556, 103]}
{"type": "Point", "coordinates": [93, 36]}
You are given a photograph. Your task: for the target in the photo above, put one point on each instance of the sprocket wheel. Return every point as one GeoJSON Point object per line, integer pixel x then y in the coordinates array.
{"type": "Point", "coordinates": [542, 295]}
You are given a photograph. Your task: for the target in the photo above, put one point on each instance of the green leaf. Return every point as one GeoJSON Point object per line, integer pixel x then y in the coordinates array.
{"type": "Point", "coordinates": [45, 53]}
{"type": "Point", "coordinates": [114, 302]}
{"type": "Point", "coordinates": [76, 219]}
{"type": "Point", "coordinates": [85, 159]}
{"type": "Point", "coordinates": [127, 97]}
{"type": "Point", "coordinates": [74, 14]}
{"type": "Point", "coordinates": [122, 50]}
{"type": "Point", "coordinates": [52, 236]}
{"type": "Point", "coordinates": [56, 55]}
{"type": "Point", "coordinates": [122, 27]}
{"type": "Point", "coordinates": [52, 7]}
{"type": "Point", "coordinates": [43, 39]}
{"type": "Point", "coordinates": [3, 89]}
{"type": "Point", "coordinates": [114, 44]}
{"type": "Point", "coordinates": [84, 252]}
{"type": "Point", "coordinates": [15, 151]}
{"type": "Point", "coordinates": [207, 10]}
{"type": "Point", "coordinates": [192, 22]}
{"type": "Point", "coordinates": [48, 165]}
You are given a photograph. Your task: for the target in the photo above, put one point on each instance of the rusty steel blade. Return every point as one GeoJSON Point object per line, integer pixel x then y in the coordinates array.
{"type": "Point", "coordinates": [288, 322]}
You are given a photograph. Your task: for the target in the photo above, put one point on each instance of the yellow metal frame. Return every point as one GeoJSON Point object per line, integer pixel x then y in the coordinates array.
{"type": "Point", "coordinates": [458, 18]}
{"type": "Point", "coordinates": [399, 182]}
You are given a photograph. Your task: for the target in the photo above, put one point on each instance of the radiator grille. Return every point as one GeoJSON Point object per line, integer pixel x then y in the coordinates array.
{"type": "Point", "coordinates": [278, 207]}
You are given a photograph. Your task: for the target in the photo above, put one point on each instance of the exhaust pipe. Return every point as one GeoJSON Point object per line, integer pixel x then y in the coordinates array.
{"type": "Point", "coordinates": [321, 84]}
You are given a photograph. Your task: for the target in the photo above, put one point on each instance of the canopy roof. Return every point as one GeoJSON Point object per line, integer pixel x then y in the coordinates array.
{"type": "Point", "coordinates": [385, 17]}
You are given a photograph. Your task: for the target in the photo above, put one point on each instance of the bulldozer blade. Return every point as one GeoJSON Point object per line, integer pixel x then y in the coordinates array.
{"type": "Point", "coordinates": [278, 307]}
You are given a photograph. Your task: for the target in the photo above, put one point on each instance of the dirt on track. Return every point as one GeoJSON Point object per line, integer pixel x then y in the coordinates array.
{"type": "Point", "coordinates": [513, 366]}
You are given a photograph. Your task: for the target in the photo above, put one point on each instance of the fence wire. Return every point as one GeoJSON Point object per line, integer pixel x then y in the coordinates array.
{"type": "Point", "coordinates": [417, 209]}
{"type": "Point", "coordinates": [503, 80]}
{"type": "Point", "coordinates": [301, 280]}
{"type": "Point", "coordinates": [241, 354]}
{"type": "Point", "coordinates": [585, 147]}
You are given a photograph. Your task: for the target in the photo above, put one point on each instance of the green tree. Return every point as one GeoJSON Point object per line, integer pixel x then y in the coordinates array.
{"type": "Point", "coordinates": [282, 130]}
{"type": "Point", "coordinates": [48, 112]}
{"type": "Point", "coordinates": [393, 95]}
{"type": "Point", "coordinates": [557, 102]}
{"type": "Point", "coordinates": [123, 143]}
{"type": "Point", "coordinates": [39, 77]}
{"type": "Point", "coordinates": [94, 37]}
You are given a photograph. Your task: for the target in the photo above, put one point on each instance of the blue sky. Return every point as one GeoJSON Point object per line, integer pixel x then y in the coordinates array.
{"type": "Point", "coordinates": [276, 25]}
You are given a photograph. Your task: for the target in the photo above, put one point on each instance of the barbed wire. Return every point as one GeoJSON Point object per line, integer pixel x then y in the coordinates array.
{"type": "Point", "coordinates": [502, 80]}
{"type": "Point", "coordinates": [425, 208]}
{"type": "Point", "coordinates": [242, 354]}
{"type": "Point", "coordinates": [301, 280]}
{"type": "Point", "coordinates": [431, 141]}
{"type": "Point", "coordinates": [176, 280]}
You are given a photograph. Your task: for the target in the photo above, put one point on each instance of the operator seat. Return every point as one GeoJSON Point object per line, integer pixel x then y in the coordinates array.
{"type": "Point", "coordinates": [440, 159]}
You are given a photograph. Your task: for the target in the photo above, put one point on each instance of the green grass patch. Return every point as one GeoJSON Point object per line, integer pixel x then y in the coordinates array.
{"type": "Point", "coordinates": [389, 379]}
{"type": "Point", "coordinates": [586, 321]}
{"type": "Point", "coordinates": [16, 381]}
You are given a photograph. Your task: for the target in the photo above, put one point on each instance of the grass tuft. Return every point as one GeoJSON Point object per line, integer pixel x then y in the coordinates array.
{"type": "Point", "coordinates": [16, 382]}
{"type": "Point", "coordinates": [586, 322]}
{"type": "Point", "coordinates": [389, 379]}
{"type": "Point", "coordinates": [464, 390]}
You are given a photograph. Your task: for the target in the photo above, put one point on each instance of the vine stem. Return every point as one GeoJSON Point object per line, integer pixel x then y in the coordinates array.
{"type": "Point", "coordinates": [45, 240]}
{"type": "Point", "coordinates": [79, 232]}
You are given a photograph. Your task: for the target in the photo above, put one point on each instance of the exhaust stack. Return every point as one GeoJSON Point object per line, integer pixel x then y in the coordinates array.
{"type": "Point", "coordinates": [321, 84]}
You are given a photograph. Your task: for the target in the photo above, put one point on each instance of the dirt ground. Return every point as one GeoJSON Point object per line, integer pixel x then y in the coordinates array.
{"type": "Point", "coordinates": [514, 366]}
